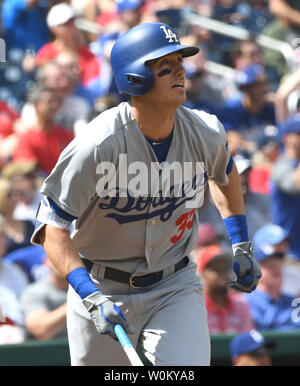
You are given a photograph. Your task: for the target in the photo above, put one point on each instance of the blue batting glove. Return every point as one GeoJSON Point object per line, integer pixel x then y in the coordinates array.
{"type": "Point", "coordinates": [246, 268]}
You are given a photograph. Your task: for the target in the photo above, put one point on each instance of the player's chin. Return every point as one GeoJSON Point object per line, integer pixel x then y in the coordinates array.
{"type": "Point", "coordinates": [178, 96]}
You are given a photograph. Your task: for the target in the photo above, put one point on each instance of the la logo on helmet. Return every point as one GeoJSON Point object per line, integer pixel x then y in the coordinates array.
{"type": "Point", "coordinates": [169, 34]}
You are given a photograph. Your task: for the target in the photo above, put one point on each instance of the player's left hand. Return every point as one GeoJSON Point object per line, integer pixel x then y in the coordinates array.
{"type": "Point", "coordinates": [246, 268]}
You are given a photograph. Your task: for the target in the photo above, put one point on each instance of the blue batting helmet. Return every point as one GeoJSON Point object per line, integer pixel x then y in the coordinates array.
{"type": "Point", "coordinates": [137, 46]}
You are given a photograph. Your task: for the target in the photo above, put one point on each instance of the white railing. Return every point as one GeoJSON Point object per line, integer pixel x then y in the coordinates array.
{"type": "Point", "coordinates": [87, 26]}
{"type": "Point", "coordinates": [219, 69]}
{"type": "Point", "coordinates": [239, 33]}
{"type": "Point", "coordinates": [210, 66]}
{"type": "Point", "coordinates": [220, 28]}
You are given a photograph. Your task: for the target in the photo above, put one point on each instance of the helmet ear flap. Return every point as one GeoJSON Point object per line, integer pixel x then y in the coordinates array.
{"type": "Point", "coordinates": [139, 84]}
{"type": "Point", "coordinates": [134, 80]}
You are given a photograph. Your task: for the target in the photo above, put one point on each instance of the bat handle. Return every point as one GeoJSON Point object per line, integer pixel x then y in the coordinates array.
{"type": "Point", "coordinates": [127, 346]}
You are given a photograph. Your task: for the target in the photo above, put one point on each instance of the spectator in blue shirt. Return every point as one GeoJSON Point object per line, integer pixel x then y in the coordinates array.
{"type": "Point", "coordinates": [31, 260]}
{"type": "Point", "coordinates": [24, 24]}
{"type": "Point", "coordinates": [25, 31]}
{"type": "Point", "coordinates": [271, 309]}
{"type": "Point", "coordinates": [285, 184]}
{"type": "Point", "coordinates": [250, 112]}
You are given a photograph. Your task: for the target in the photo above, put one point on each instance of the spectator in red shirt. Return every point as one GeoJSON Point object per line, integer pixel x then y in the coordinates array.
{"type": "Point", "coordinates": [8, 117]}
{"type": "Point", "coordinates": [74, 111]}
{"type": "Point", "coordinates": [268, 150]}
{"type": "Point", "coordinates": [43, 143]}
{"type": "Point", "coordinates": [61, 22]}
{"type": "Point", "coordinates": [227, 311]}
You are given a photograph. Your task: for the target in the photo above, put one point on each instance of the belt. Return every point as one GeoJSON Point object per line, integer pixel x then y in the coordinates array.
{"type": "Point", "coordinates": [135, 281]}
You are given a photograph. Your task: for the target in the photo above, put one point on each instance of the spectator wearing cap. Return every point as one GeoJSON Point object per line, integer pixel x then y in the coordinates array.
{"type": "Point", "coordinates": [270, 307]}
{"type": "Point", "coordinates": [251, 349]}
{"type": "Point", "coordinates": [61, 22]}
{"type": "Point", "coordinates": [124, 6]}
{"type": "Point", "coordinates": [246, 52]}
{"type": "Point", "coordinates": [273, 239]}
{"type": "Point", "coordinates": [250, 112]}
{"type": "Point", "coordinates": [285, 179]}
{"type": "Point", "coordinates": [227, 310]}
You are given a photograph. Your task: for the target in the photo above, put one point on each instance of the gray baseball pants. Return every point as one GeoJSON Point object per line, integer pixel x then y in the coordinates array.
{"type": "Point", "coordinates": [169, 318]}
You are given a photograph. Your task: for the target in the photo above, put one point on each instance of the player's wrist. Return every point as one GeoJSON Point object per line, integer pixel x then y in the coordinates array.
{"type": "Point", "coordinates": [244, 246]}
{"type": "Point", "coordinates": [237, 229]}
{"type": "Point", "coordinates": [80, 280]}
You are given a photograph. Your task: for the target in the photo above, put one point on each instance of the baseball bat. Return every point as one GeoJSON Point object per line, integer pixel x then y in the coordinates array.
{"type": "Point", "coordinates": [127, 346]}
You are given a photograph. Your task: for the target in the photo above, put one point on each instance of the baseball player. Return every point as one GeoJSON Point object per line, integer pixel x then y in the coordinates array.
{"type": "Point", "coordinates": [127, 258]}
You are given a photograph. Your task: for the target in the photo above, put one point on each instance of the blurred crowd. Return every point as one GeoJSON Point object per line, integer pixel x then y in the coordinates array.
{"type": "Point", "coordinates": [57, 77]}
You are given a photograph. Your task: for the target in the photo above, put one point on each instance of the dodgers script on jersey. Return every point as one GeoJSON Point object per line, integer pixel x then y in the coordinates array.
{"type": "Point", "coordinates": [129, 210]}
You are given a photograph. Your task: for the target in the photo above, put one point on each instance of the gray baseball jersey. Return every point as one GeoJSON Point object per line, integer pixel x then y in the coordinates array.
{"type": "Point", "coordinates": [146, 232]}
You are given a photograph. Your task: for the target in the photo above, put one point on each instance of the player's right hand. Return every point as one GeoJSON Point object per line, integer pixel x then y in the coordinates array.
{"type": "Point", "coordinates": [105, 314]}
{"type": "Point", "coordinates": [246, 268]}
